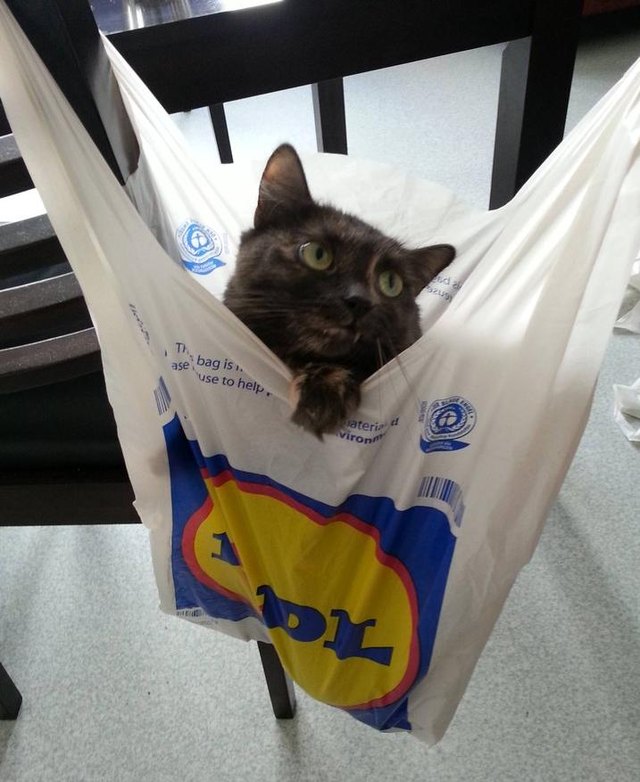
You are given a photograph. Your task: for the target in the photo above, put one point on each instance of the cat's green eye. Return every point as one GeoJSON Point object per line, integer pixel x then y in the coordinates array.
{"type": "Point", "coordinates": [315, 255]}
{"type": "Point", "coordinates": [390, 283]}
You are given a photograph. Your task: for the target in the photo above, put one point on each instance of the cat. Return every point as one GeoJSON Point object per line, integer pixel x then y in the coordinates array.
{"type": "Point", "coordinates": [332, 296]}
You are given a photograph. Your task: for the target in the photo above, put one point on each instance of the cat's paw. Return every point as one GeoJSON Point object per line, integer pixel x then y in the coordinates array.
{"type": "Point", "coordinates": [324, 397]}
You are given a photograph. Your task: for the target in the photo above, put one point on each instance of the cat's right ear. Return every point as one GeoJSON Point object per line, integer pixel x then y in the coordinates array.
{"type": "Point", "coordinates": [428, 262]}
{"type": "Point", "coordinates": [283, 187]}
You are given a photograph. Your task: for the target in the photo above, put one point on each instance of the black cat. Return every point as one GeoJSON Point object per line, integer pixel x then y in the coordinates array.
{"type": "Point", "coordinates": [333, 297]}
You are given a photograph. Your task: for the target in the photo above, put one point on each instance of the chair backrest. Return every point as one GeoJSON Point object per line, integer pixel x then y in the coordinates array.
{"type": "Point", "coordinates": [60, 461]}
{"type": "Point", "coordinates": [46, 333]}
{"type": "Point", "coordinates": [217, 57]}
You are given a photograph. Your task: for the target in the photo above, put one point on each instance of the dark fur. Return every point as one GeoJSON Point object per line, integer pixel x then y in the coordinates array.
{"type": "Point", "coordinates": [333, 328]}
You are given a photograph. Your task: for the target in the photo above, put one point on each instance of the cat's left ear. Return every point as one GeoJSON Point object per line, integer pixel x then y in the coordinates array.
{"type": "Point", "coordinates": [283, 188]}
{"type": "Point", "coordinates": [428, 262]}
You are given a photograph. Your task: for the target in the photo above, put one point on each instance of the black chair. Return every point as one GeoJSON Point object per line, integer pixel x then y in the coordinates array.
{"type": "Point", "coordinates": [60, 462]}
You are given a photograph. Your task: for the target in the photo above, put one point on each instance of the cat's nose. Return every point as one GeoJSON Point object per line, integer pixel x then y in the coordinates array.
{"type": "Point", "coordinates": [357, 304]}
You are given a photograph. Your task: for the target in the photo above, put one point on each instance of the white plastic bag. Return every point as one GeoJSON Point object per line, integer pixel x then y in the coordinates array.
{"type": "Point", "coordinates": [626, 405]}
{"type": "Point", "coordinates": [377, 561]}
{"type": "Point", "coordinates": [629, 319]}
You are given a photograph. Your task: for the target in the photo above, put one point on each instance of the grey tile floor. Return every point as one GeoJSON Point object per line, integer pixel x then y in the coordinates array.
{"type": "Point", "coordinates": [115, 690]}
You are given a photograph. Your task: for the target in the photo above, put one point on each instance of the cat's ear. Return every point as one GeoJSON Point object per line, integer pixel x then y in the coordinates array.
{"type": "Point", "coordinates": [283, 187]}
{"type": "Point", "coordinates": [428, 262]}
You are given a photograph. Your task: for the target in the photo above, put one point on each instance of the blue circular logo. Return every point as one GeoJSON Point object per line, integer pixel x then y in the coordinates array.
{"type": "Point", "coordinates": [449, 419]}
{"type": "Point", "coordinates": [199, 247]}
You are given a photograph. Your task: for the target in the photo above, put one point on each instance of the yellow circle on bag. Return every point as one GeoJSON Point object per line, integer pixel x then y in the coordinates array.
{"type": "Point", "coordinates": [341, 612]}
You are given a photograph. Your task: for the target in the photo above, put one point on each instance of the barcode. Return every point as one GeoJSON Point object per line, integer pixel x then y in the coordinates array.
{"type": "Point", "coordinates": [445, 490]}
{"type": "Point", "coordinates": [162, 396]}
{"type": "Point", "coordinates": [190, 613]}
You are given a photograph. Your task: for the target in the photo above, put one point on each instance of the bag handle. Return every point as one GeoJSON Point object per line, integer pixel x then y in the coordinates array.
{"type": "Point", "coordinates": [65, 35]}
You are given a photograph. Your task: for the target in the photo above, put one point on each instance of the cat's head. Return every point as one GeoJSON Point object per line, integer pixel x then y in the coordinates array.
{"type": "Point", "coordinates": [317, 284]}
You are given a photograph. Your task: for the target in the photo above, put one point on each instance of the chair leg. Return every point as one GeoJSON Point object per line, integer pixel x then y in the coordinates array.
{"type": "Point", "coordinates": [221, 132]}
{"type": "Point", "coordinates": [280, 686]}
{"type": "Point", "coordinates": [10, 698]}
{"type": "Point", "coordinates": [535, 83]}
{"type": "Point", "coordinates": [328, 110]}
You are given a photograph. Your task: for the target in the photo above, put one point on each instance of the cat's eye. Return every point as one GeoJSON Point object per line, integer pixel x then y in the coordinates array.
{"type": "Point", "coordinates": [390, 283]}
{"type": "Point", "coordinates": [315, 255]}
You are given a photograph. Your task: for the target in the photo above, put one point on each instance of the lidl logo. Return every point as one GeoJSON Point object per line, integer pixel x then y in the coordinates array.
{"type": "Point", "coordinates": [350, 594]}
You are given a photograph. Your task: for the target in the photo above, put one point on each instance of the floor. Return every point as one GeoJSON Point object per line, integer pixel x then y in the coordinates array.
{"type": "Point", "coordinates": [115, 690]}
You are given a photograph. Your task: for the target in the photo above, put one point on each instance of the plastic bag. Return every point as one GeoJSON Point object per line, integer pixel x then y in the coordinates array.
{"type": "Point", "coordinates": [626, 402]}
{"type": "Point", "coordinates": [377, 561]}
{"type": "Point", "coordinates": [629, 319]}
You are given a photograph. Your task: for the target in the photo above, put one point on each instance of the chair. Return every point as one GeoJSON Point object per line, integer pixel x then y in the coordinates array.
{"type": "Point", "coordinates": [60, 459]}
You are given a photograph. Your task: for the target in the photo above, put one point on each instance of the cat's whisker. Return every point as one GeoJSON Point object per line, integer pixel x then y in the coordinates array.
{"type": "Point", "coordinates": [394, 356]}
{"type": "Point", "coordinates": [381, 361]}
{"type": "Point", "coordinates": [380, 408]}
{"type": "Point", "coordinates": [261, 307]}
{"type": "Point", "coordinates": [416, 400]}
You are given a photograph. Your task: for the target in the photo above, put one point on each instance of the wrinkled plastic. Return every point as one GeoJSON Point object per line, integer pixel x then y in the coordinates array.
{"type": "Point", "coordinates": [629, 318]}
{"type": "Point", "coordinates": [377, 561]}
{"type": "Point", "coordinates": [626, 403]}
